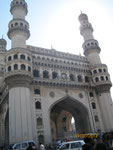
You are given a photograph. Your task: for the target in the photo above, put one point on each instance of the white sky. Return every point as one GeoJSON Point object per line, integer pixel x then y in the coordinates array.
{"type": "Point", "coordinates": [55, 22]}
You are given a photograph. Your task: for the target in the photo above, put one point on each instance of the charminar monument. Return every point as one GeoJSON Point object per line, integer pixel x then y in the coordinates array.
{"type": "Point", "coordinates": [41, 89]}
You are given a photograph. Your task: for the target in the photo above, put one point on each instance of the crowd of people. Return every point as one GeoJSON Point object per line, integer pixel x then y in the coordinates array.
{"type": "Point", "coordinates": [102, 142]}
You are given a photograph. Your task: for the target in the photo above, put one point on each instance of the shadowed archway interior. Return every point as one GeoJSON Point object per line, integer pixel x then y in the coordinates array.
{"type": "Point", "coordinates": [68, 108]}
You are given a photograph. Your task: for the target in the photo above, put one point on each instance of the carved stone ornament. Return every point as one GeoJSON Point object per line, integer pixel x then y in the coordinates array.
{"type": "Point", "coordinates": [52, 94]}
{"type": "Point", "coordinates": [80, 95]}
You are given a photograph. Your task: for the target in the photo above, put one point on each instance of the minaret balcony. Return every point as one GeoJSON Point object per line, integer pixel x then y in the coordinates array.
{"type": "Point", "coordinates": [102, 81]}
{"type": "Point", "coordinates": [91, 45]}
{"type": "Point", "coordinates": [86, 26]}
{"type": "Point", "coordinates": [99, 70]}
{"type": "Point", "coordinates": [103, 86]}
{"type": "Point", "coordinates": [18, 3]}
{"type": "Point", "coordinates": [18, 78]}
{"type": "Point", "coordinates": [18, 29]}
{"type": "Point", "coordinates": [18, 25]}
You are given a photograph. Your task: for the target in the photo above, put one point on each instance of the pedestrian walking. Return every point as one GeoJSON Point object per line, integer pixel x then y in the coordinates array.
{"type": "Point", "coordinates": [41, 146]}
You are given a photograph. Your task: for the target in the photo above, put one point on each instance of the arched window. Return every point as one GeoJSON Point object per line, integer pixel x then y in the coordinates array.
{"type": "Point", "coordinates": [11, 25]}
{"type": "Point", "coordinates": [72, 77]}
{"type": "Point", "coordinates": [16, 24]}
{"type": "Point", "coordinates": [97, 79]}
{"type": "Point", "coordinates": [96, 118]}
{"type": "Point", "coordinates": [15, 56]}
{"type": "Point", "coordinates": [41, 139]}
{"type": "Point", "coordinates": [38, 57]}
{"type": "Point", "coordinates": [102, 78]}
{"type": "Point", "coordinates": [39, 121]}
{"type": "Point", "coordinates": [93, 105]}
{"type": "Point", "coordinates": [95, 71]}
{"type": "Point", "coordinates": [100, 70]}
{"type": "Point", "coordinates": [37, 91]}
{"type": "Point", "coordinates": [54, 75]}
{"type": "Point", "coordinates": [29, 68]}
{"type": "Point", "coordinates": [23, 67]}
{"type": "Point", "coordinates": [22, 56]}
{"type": "Point", "coordinates": [35, 73]}
{"type": "Point", "coordinates": [91, 94]}
{"type": "Point", "coordinates": [9, 58]}
{"type": "Point", "coordinates": [25, 26]}
{"type": "Point", "coordinates": [43, 58]}
{"type": "Point", "coordinates": [9, 68]}
{"type": "Point", "coordinates": [104, 70]}
{"type": "Point", "coordinates": [21, 24]}
{"type": "Point", "coordinates": [106, 78]}
{"type": "Point", "coordinates": [28, 58]}
{"type": "Point", "coordinates": [79, 78]}
{"type": "Point", "coordinates": [38, 105]}
{"type": "Point", "coordinates": [45, 74]}
{"type": "Point", "coordinates": [15, 67]}
{"type": "Point", "coordinates": [86, 79]}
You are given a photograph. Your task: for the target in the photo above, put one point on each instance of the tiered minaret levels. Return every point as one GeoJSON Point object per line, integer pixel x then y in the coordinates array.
{"type": "Point", "coordinates": [90, 45]}
{"type": "Point", "coordinates": [19, 76]}
{"type": "Point", "coordinates": [18, 27]}
{"type": "Point", "coordinates": [99, 72]}
{"type": "Point", "coordinates": [36, 81]}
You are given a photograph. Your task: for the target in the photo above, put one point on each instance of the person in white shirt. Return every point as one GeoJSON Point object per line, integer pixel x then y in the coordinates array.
{"type": "Point", "coordinates": [41, 146]}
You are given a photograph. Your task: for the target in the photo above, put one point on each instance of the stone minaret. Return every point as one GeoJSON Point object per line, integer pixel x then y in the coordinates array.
{"type": "Point", "coordinates": [18, 26]}
{"type": "Point", "coordinates": [3, 45]}
{"type": "Point", "coordinates": [19, 77]}
{"type": "Point", "coordinates": [99, 73]}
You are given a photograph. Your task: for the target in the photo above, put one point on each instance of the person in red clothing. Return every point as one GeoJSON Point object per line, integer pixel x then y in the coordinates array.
{"type": "Point", "coordinates": [67, 140]}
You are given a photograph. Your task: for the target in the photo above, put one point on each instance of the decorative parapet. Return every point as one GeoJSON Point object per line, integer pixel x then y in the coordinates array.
{"type": "Point", "coordinates": [59, 83]}
{"type": "Point", "coordinates": [55, 53]}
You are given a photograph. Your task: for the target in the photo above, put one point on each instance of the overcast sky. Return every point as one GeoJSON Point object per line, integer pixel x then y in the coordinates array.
{"type": "Point", "coordinates": [55, 22]}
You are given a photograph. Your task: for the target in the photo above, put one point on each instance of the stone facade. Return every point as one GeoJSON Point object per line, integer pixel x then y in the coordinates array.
{"type": "Point", "coordinates": [42, 89]}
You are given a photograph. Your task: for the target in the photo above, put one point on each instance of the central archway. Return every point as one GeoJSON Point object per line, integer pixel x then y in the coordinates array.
{"type": "Point", "coordinates": [61, 115]}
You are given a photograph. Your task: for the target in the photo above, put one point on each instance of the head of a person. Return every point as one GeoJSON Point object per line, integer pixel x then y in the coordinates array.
{"type": "Point", "coordinates": [100, 146]}
{"type": "Point", "coordinates": [40, 143]}
{"type": "Point", "coordinates": [87, 140]}
{"type": "Point", "coordinates": [87, 146]}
